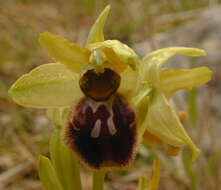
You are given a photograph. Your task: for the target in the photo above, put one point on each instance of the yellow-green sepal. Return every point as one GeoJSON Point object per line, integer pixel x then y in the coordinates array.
{"type": "Point", "coordinates": [47, 86]}
{"type": "Point", "coordinates": [163, 122]}
{"type": "Point", "coordinates": [47, 174]}
{"type": "Point", "coordinates": [69, 54]}
{"type": "Point", "coordinates": [96, 32]}
{"type": "Point", "coordinates": [65, 163]}
{"type": "Point", "coordinates": [185, 79]}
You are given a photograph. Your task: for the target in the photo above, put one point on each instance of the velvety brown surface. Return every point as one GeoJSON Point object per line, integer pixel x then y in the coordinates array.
{"type": "Point", "coordinates": [105, 150]}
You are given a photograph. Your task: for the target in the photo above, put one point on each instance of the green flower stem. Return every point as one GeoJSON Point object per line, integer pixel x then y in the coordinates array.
{"type": "Point", "coordinates": [192, 106]}
{"type": "Point", "coordinates": [98, 179]}
{"type": "Point", "coordinates": [192, 103]}
{"type": "Point", "coordinates": [142, 183]}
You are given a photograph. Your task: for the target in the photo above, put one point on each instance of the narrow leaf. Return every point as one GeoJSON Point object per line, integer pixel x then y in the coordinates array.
{"type": "Point", "coordinates": [47, 174]}
{"type": "Point", "coordinates": [65, 163]}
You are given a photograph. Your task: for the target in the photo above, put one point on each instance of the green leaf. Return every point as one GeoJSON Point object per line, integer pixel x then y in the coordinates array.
{"type": "Point", "coordinates": [65, 163]}
{"type": "Point", "coordinates": [96, 32]}
{"type": "Point", "coordinates": [186, 79]}
{"type": "Point", "coordinates": [69, 54]}
{"type": "Point", "coordinates": [47, 174]}
{"type": "Point", "coordinates": [48, 86]}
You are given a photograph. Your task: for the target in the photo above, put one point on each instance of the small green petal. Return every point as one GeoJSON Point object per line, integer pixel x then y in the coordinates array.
{"type": "Point", "coordinates": [48, 86]}
{"type": "Point", "coordinates": [47, 174]}
{"type": "Point", "coordinates": [69, 54]}
{"type": "Point", "coordinates": [163, 122]}
{"type": "Point", "coordinates": [96, 32]}
{"type": "Point", "coordinates": [152, 63]}
{"type": "Point", "coordinates": [119, 54]}
{"type": "Point", "coordinates": [186, 79]}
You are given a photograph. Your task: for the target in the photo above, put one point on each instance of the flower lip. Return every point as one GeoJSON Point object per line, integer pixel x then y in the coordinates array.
{"type": "Point", "coordinates": [103, 134]}
{"type": "Point", "coordinates": [99, 86]}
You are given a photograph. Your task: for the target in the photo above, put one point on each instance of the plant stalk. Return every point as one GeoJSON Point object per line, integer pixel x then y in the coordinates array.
{"type": "Point", "coordinates": [98, 179]}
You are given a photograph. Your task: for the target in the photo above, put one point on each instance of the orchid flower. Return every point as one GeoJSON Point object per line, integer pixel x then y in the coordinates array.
{"type": "Point", "coordinates": [105, 97]}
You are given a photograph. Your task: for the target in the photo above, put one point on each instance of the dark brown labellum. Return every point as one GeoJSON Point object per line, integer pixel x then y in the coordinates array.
{"type": "Point", "coordinates": [99, 86]}
{"type": "Point", "coordinates": [103, 134]}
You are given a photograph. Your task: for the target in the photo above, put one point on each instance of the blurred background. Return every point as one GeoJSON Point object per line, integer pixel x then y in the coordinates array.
{"type": "Point", "coordinates": [145, 25]}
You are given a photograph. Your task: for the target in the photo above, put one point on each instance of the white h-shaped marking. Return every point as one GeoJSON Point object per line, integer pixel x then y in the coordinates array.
{"type": "Point", "coordinates": [95, 132]}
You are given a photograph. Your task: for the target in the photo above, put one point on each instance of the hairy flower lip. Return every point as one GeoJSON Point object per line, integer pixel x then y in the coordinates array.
{"type": "Point", "coordinates": [108, 148]}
